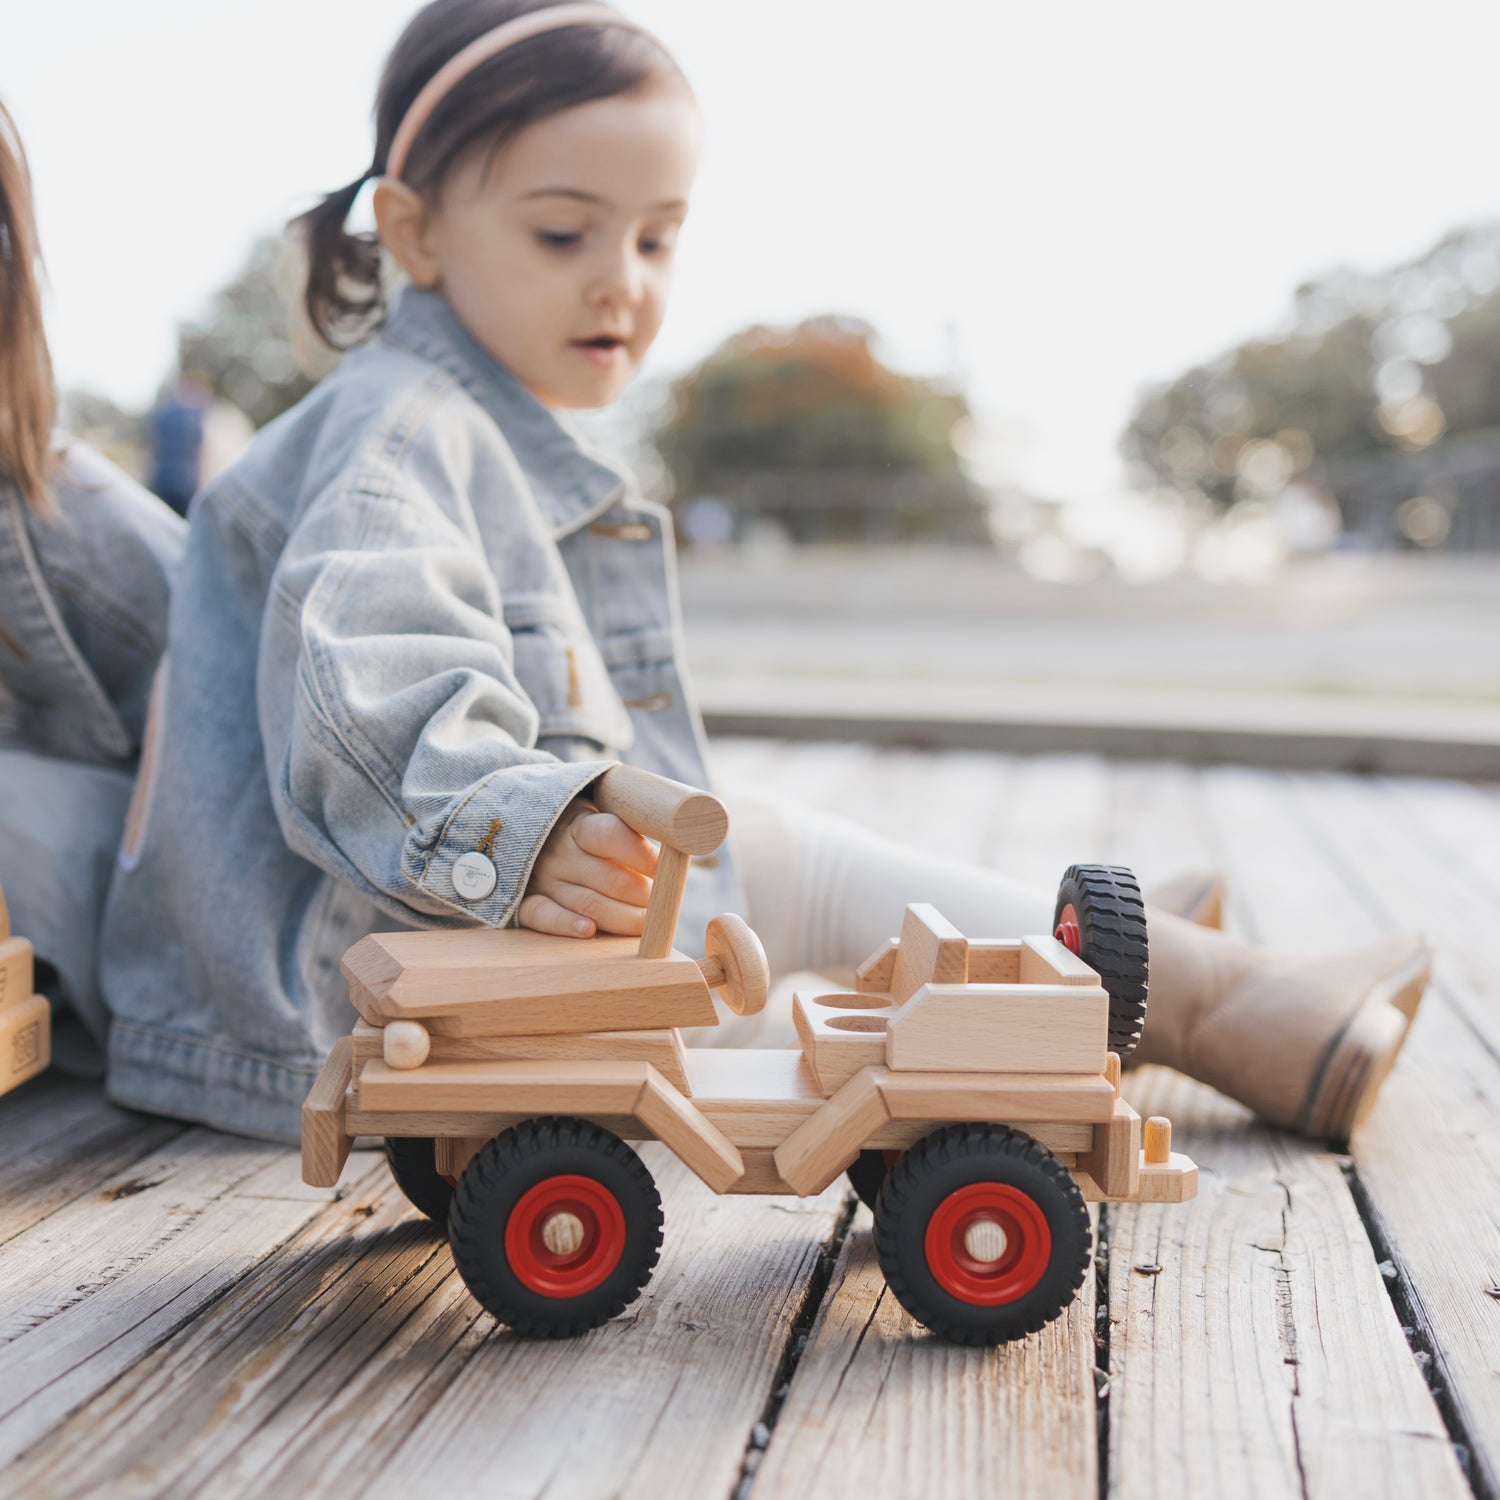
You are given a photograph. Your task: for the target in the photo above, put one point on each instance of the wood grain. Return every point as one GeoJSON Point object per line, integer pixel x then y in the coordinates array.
{"type": "Point", "coordinates": [1015, 1028]}
{"type": "Point", "coordinates": [1265, 1357]}
{"type": "Point", "coordinates": [325, 1143]}
{"type": "Point", "coordinates": [880, 1410]}
{"type": "Point", "coordinates": [92, 1289]}
{"type": "Point", "coordinates": [360, 1365]}
{"type": "Point", "coordinates": [492, 982]}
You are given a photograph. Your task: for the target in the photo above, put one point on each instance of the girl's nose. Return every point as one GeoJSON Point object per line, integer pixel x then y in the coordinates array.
{"type": "Point", "coordinates": [622, 280]}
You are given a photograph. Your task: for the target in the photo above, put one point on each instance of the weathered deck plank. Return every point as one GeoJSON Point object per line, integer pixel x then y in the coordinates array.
{"type": "Point", "coordinates": [1429, 1158]}
{"type": "Point", "coordinates": [179, 1315]}
{"type": "Point", "coordinates": [1264, 1358]}
{"type": "Point", "coordinates": [356, 1361]}
{"type": "Point", "coordinates": [878, 1408]}
{"type": "Point", "coordinates": [1201, 1397]}
{"type": "Point", "coordinates": [92, 1289]}
{"type": "Point", "coordinates": [59, 1139]}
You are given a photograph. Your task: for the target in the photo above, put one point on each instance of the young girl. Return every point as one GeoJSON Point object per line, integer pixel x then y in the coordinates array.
{"type": "Point", "coordinates": [86, 559]}
{"type": "Point", "coordinates": [419, 618]}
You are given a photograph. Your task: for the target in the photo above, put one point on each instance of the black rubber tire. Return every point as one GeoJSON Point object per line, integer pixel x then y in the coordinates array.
{"type": "Point", "coordinates": [1112, 931]}
{"type": "Point", "coordinates": [950, 1159]}
{"type": "Point", "coordinates": [866, 1174]}
{"type": "Point", "coordinates": [412, 1165]}
{"type": "Point", "coordinates": [494, 1182]}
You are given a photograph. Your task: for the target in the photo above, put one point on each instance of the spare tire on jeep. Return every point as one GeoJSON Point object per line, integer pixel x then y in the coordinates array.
{"type": "Point", "coordinates": [1101, 917]}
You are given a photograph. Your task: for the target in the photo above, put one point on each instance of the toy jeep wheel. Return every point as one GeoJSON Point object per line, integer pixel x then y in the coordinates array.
{"type": "Point", "coordinates": [867, 1172]}
{"type": "Point", "coordinates": [1100, 916]}
{"type": "Point", "coordinates": [555, 1227]}
{"type": "Point", "coordinates": [982, 1234]}
{"type": "Point", "coordinates": [411, 1161]}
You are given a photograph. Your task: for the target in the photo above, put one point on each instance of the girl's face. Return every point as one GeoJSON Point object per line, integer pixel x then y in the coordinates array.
{"type": "Point", "coordinates": [556, 252]}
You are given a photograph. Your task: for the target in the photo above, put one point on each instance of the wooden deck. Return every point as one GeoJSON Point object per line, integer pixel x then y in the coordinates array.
{"type": "Point", "coordinates": [179, 1315]}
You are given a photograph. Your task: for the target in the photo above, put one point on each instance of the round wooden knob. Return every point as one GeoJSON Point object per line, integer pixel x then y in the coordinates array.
{"type": "Point", "coordinates": [405, 1044]}
{"type": "Point", "coordinates": [733, 946]}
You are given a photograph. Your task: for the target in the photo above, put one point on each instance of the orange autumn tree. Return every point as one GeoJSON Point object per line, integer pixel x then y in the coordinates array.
{"type": "Point", "coordinates": [809, 428]}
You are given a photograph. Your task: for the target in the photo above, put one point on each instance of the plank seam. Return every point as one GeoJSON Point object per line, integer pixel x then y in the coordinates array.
{"type": "Point", "coordinates": [1102, 1378]}
{"type": "Point", "coordinates": [798, 1337]}
{"type": "Point", "coordinates": [1414, 1325]}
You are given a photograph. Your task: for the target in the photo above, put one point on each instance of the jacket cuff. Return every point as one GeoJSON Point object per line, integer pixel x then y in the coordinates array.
{"type": "Point", "coordinates": [483, 858]}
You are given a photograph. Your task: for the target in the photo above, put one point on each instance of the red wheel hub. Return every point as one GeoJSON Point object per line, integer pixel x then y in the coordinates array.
{"type": "Point", "coordinates": [1067, 932]}
{"type": "Point", "coordinates": [565, 1236]}
{"type": "Point", "coordinates": [988, 1243]}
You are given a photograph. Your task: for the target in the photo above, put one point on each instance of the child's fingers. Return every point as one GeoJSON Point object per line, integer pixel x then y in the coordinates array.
{"type": "Point", "coordinates": [611, 880]}
{"type": "Point", "coordinates": [605, 835]}
{"type": "Point", "coordinates": [543, 914]}
{"type": "Point", "coordinates": [607, 915]}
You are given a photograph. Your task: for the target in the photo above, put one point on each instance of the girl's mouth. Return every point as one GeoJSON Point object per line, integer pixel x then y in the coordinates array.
{"type": "Point", "coordinates": [603, 351]}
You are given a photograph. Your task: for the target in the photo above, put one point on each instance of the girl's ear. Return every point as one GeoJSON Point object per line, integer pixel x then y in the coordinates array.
{"type": "Point", "coordinates": [401, 222]}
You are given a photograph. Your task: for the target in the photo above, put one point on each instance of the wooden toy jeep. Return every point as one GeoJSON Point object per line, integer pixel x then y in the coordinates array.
{"type": "Point", "coordinates": [970, 1087]}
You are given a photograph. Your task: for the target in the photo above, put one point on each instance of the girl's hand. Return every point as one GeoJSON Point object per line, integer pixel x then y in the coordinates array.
{"type": "Point", "coordinates": [593, 875]}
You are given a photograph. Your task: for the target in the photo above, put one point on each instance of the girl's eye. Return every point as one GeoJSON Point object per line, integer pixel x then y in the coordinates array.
{"type": "Point", "coordinates": [658, 246]}
{"type": "Point", "coordinates": [557, 240]}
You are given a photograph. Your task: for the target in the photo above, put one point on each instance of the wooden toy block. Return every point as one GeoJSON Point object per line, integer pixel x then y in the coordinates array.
{"type": "Point", "coordinates": [509, 982]}
{"type": "Point", "coordinates": [1044, 960]}
{"type": "Point", "coordinates": [1113, 1159]}
{"type": "Point", "coordinates": [325, 1146]}
{"type": "Point", "coordinates": [874, 974]}
{"type": "Point", "coordinates": [991, 1052]}
{"type": "Point", "coordinates": [504, 1087]}
{"type": "Point", "coordinates": [662, 1049]}
{"type": "Point", "coordinates": [932, 951]}
{"type": "Point", "coordinates": [996, 961]}
{"type": "Point", "coordinates": [25, 1041]}
{"type": "Point", "coordinates": [840, 1034]}
{"type": "Point", "coordinates": [1049, 1098]}
{"type": "Point", "coordinates": [757, 1097]}
{"type": "Point", "coordinates": [680, 1124]}
{"type": "Point", "coordinates": [1172, 1181]}
{"type": "Point", "coordinates": [820, 1148]}
{"type": "Point", "coordinates": [25, 1018]}
{"type": "Point", "coordinates": [1158, 1141]}
{"type": "Point", "coordinates": [1011, 1028]}
{"type": "Point", "coordinates": [452, 1153]}
{"type": "Point", "coordinates": [676, 816]}
{"type": "Point", "coordinates": [661, 915]}
{"type": "Point", "coordinates": [17, 976]}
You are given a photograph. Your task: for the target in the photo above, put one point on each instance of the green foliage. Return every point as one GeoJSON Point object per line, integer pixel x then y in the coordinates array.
{"type": "Point", "coordinates": [1389, 362]}
{"type": "Point", "coordinates": [243, 344]}
{"type": "Point", "coordinates": [783, 420]}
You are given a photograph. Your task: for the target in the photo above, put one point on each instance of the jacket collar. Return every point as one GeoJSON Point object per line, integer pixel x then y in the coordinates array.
{"type": "Point", "coordinates": [571, 484]}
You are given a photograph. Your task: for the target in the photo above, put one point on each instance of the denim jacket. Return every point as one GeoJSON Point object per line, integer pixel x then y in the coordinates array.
{"type": "Point", "coordinates": [413, 622]}
{"type": "Point", "coordinates": [83, 616]}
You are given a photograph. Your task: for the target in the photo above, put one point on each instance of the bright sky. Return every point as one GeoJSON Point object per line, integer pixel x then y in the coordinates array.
{"type": "Point", "coordinates": [1068, 201]}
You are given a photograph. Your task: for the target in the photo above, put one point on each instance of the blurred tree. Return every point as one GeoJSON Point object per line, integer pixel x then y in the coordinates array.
{"type": "Point", "coordinates": [1369, 365]}
{"type": "Point", "coordinates": [807, 427]}
{"type": "Point", "coordinates": [243, 344]}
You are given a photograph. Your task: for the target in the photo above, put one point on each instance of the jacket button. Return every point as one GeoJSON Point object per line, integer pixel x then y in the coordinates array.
{"type": "Point", "coordinates": [473, 876]}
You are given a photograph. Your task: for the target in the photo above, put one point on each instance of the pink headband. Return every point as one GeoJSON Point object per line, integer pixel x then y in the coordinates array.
{"type": "Point", "coordinates": [481, 49]}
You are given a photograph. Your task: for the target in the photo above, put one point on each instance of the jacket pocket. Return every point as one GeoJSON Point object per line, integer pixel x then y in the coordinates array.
{"type": "Point", "coordinates": [564, 675]}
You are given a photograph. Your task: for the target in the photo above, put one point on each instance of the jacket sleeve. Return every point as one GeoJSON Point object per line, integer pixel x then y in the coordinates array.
{"type": "Point", "coordinates": [398, 738]}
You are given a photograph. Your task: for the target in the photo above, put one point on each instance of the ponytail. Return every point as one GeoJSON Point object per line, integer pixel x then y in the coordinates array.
{"type": "Point", "coordinates": [28, 398]}
{"type": "Point", "coordinates": [344, 285]}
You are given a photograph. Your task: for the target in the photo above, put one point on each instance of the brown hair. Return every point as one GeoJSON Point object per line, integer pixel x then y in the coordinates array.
{"type": "Point", "coordinates": [28, 398]}
{"type": "Point", "coordinates": [538, 77]}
